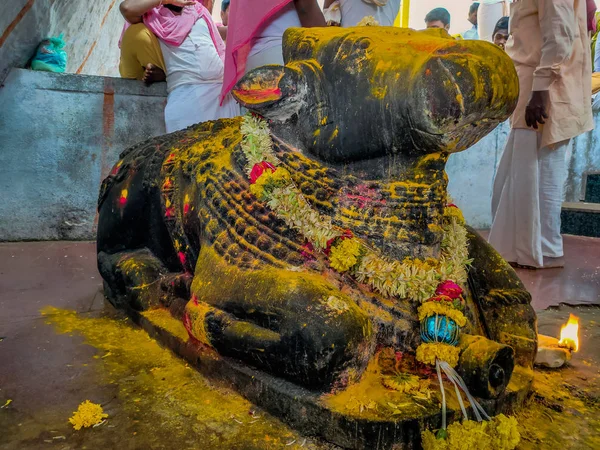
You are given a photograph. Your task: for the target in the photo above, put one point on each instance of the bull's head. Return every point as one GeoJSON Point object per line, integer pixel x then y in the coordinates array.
{"type": "Point", "coordinates": [352, 94]}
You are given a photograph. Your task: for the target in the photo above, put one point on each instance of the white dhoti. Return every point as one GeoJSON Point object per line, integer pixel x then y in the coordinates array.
{"type": "Point", "coordinates": [527, 199]}
{"type": "Point", "coordinates": [190, 104]}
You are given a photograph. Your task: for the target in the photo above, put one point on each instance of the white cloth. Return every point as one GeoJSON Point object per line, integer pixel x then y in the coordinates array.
{"type": "Point", "coordinates": [269, 55]}
{"type": "Point", "coordinates": [488, 15]}
{"type": "Point", "coordinates": [596, 102]}
{"type": "Point", "coordinates": [190, 104]}
{"type": "Point", "coordinates": [272, 34]}
{"type": "Point", "coordinates": [471, 34]}
{"type": "Point", "coordinates": [195, 61]}
{"type": "Point", "coordinates": [596, 67]}
{"type": "Point", "coordinates": [353, 11]}
{"type": "Point", "coordinates": [527, 199]}
{"type": "Point", "coordinates": [194, 80]}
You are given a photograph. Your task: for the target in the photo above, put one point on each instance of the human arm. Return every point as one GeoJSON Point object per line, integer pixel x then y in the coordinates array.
{"type": "Point", "coordinates": [222, 32]}
{"type": "Point", "coordinates": [558, 25]}
{"type": "Point", "coordinates": [133, 10]}
{"type": "Point", "coordinates": [309, 13]}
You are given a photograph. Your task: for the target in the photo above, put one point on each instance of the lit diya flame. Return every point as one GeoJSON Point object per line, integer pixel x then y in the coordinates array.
{"type": "Point", "coordinates": [569, 334]}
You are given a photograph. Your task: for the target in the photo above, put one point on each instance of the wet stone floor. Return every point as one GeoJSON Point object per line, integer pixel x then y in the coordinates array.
{"type": "Point", "coordinates": [61, 344]}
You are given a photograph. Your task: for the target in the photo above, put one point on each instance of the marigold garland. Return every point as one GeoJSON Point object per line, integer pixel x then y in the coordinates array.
{"type": "Point", "coordinates": [407, 279]}
{"type": "Point", "coordinates": [402, 382]}
{"type": "Point", "coordinates": [344, 254]}
{"type": "Point", "coordinates": [501, 433]}
{"type": "Point", "coordinates": [428, 352]}
{"type": "Point", "coordinates": [432, 308]}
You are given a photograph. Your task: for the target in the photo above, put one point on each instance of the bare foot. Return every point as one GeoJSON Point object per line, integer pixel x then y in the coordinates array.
{"type": "Point", "coordinates": [153, 74]}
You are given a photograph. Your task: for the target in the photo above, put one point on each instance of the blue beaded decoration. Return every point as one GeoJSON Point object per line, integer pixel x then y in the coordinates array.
{"type": "Point", "coordinates": [439, 328]}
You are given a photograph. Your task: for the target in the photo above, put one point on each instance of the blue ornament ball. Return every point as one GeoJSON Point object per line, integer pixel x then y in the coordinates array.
{"type": "Point", "coordinates": [439, 328]}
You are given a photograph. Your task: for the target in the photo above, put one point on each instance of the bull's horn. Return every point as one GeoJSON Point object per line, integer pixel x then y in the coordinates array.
{"type": "Point", "coordinates": [272, 87]}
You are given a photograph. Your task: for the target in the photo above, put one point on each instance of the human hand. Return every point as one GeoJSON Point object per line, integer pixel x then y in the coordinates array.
{"type": "Point", "coordinates": [179, 2]}
{"type": "Point", "coordinates": [537, 109]}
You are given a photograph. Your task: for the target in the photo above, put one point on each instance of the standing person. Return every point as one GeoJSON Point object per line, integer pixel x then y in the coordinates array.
{"type": "Point", "coordinates": [551, 52]}
{"type": "Point", "coordinates": [438, 18]}
{"type": "Point", "coordinates": [488, 14]}
{"type": "Point", "coordinates": [192, 49]}
{"type": "Point", "coordinates": [255, 33]}
{"type": "Point", "coordinates": [225, 12]}
{"type": "Point", "coordinates": [500, 35]}
{"type": "Point", "coordinates": [353, 11]}
{"type": "Point", "coordinates": [472, 17]}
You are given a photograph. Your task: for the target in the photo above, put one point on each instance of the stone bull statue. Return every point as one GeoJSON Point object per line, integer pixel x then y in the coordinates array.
{"type": "Point", "coordinates": [364, 119]}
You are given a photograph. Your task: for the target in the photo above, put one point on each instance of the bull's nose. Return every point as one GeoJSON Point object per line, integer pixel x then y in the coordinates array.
{"type": "Point", "coordinates": [444, 99]}
{"type": "Point", "coordinates": [468, 84]}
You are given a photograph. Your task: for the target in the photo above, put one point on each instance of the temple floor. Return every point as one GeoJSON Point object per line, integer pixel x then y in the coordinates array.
{"type": "Point", "coordinates": [61, 344]}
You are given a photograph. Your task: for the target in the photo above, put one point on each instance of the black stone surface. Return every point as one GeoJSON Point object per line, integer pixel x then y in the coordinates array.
{"type": "Point", "coordinates": [592, 188]}
{"type": "Point", "coordinates": [302, 408]}
{"type": "Point", "coordinates": [580, 223]}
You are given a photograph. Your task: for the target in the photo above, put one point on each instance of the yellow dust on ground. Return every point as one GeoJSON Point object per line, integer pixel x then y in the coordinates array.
{"type": "Point", "coordinates": [559, 415]}
{"type": "Point", "coordinates": [161, 392]}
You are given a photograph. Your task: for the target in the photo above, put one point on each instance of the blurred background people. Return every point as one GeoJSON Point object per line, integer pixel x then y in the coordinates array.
{"type": "Point", "coordinates": [225, 12]}
{"type": "Point", "coordinates": [472, 33]}
{"type": "Point", "coordinates": [255, 33]}
{"type": "Point", "coordinates": [500, 35]}
{"type": "Point", "coordinates": [550, 48]}
{"type": "Point", "coordinates": [438, 18]}
{"type": "Point", "coordinates": [353, 11]}
{"type": "Point", "coordinates": [193, 52]}
{"type": "Point", "coordinates": [488, 14]}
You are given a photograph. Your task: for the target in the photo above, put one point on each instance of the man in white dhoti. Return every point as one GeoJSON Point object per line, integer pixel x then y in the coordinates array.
{"type": "Point", "coordinates": [550, 48]}
{"type": "Point", "coordinates": [193, 52]}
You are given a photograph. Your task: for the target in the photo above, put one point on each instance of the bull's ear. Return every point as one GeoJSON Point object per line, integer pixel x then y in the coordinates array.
{"type": "Point", "coordinates": [271, 90]}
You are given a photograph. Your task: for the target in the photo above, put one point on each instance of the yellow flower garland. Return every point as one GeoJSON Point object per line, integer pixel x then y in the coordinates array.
{"type": "Point", "coordinates": [442, 308]}
{"type": "Point", "coordinates": [428, 352]}
{"type": "Point", "coordinates": [501, 433]}
{"type": "Point", "coordinates": [407, 279]}
{"type": "Point", "coordinates": [344, 255]}
{"type": "Point", "coordinates": [269, 181]}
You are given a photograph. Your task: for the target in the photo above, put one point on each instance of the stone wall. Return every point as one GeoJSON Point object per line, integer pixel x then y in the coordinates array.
{"type": "Point", "coordinates": [59, 136]}
{"type": "Point", "coordinates": [91, 30]}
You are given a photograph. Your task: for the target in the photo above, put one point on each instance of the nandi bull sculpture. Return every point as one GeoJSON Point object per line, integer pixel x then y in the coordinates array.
{"type": "Point", "coordinates": [361, 121]}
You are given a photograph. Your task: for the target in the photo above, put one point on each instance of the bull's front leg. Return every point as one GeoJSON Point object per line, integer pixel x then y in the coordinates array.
{"type": "Point", "coordinates": [139, 280]}
{"type": "Point", "coordinates": [292, 324]}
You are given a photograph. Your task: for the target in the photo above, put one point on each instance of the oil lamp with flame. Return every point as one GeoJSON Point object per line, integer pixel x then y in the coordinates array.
{"type": "Point", "coordinates": [569, 334]}
{"type": "Point", "coordinates": [554, 352]}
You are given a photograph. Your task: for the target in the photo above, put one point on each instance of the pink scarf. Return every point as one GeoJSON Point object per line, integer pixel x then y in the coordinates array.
{"type": "Point", "coordinates": [246, 19]}
{"type": "Point", "coordinates": [172, 28]}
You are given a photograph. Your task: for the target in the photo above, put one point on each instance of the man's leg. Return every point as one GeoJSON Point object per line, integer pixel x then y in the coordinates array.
{"type": "Point", "coordinates": [552, 181]}
{"type": "Point", "coordinates": [515, 232]}
{"type": "Point", "coordinates": [141, 56]}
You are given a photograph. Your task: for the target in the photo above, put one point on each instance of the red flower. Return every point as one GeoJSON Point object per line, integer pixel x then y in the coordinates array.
{"type": "Point", "coordinates": [259, 169]}
{"type": "Point", "coordinates": [451, 205]}
{"type": "Point", "coordinates": [450, 289]}
{"type": "Point", "coordinates": [440, 298]}
{"type": "Point", "coordinates": [308, 251]}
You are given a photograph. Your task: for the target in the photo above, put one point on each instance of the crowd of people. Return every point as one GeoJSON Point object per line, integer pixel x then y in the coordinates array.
{"type": "Point", "coordinates": [548, 41]}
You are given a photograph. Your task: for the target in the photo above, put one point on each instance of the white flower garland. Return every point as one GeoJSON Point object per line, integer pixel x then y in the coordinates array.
{"type": "Point", "coordinates": [416, 281]}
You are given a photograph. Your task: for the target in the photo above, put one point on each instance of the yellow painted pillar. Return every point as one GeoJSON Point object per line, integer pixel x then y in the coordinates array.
{"type": "Point", "coordinates": [403, 14]}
